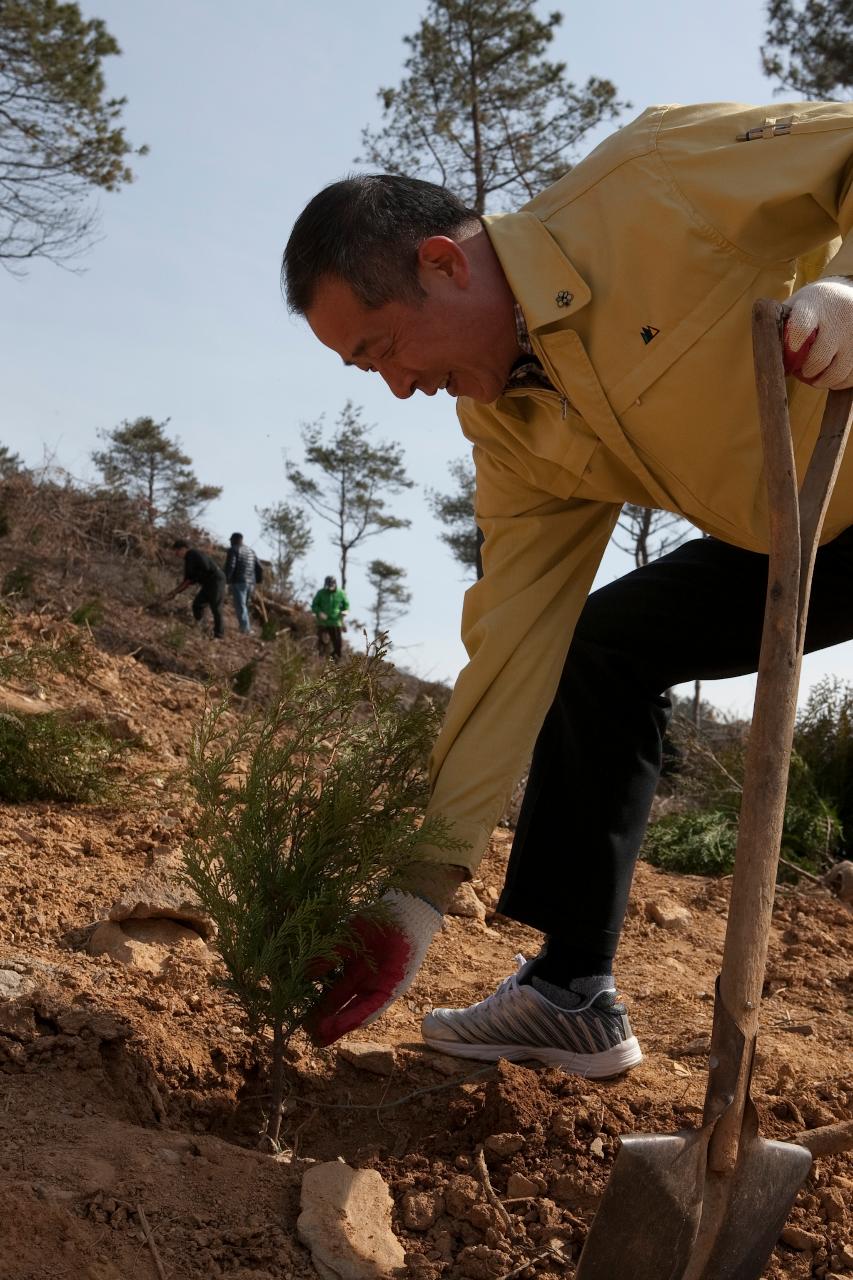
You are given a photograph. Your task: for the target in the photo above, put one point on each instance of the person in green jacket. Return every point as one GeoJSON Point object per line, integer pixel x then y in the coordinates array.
{"type": "Point", "coordinates": [329, 607]}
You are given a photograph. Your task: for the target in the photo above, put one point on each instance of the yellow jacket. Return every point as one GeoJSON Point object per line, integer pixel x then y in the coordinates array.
{"type": "Point", "coordinates": [636, 273]}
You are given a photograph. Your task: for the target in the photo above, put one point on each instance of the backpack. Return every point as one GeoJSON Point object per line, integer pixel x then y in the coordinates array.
{"type": "Point", "coordinates": [259, 570]}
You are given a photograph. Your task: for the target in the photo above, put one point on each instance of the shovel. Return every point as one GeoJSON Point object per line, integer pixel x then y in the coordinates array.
{"type": "Point", "coordinates": [709, 1203]}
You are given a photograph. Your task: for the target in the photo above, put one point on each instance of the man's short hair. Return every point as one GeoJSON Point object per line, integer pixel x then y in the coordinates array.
{"type": "Point", "coordinates": [365, 230]}
{"type": "Point", "coordinates": [180, 544]}
{"type": "Point", "coordinates": [236, 539]}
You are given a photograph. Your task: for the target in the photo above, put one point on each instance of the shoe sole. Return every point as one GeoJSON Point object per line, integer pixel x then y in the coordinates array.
{"type": "Point", "coordinates": [595, 1066]}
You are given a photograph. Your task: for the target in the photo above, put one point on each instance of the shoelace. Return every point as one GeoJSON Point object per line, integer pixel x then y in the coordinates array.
{"type": "Point", "coordinates": [506, 986]}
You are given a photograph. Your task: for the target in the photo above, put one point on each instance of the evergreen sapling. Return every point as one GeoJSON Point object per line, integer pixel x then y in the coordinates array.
{"type": "Point", "coordinates": [309, 811]}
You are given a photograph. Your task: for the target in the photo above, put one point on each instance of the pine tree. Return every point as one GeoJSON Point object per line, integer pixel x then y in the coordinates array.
{"type": "Point", "coordinates": [353, 478]}
{"type": "Point", "coordinates": [649, 533]}
{"type": "Point", "coordinates": [142, 461]}
{"type": "Point", "coordinates": [390, 597]}
{"type": "Point", "coordinates": [286, 526]}
{"type": "Point", "coordinates": [455, 510]}
{"type": "Point", "coordinates": [308, 811]}
{"type": "Point", "coordinates": [810, 47]}
{"type": "Point", "coordinates": [481, 109]}
{"type": "Point", "coordinates": [59, 133]}
{"type": "Point", "coordinates": [10, 463]}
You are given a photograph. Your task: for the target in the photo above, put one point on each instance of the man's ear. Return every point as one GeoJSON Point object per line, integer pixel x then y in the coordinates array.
{"type": "Point", "coordinates": [443, 255]}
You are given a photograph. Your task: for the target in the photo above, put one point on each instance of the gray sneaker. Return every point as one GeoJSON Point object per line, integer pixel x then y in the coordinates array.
{"type": "Point", "coordinates": [518, 1023]}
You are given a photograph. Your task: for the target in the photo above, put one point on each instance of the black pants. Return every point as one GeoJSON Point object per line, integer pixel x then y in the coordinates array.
{"type": "Point", "coordinates": [329, 635]}
{"type": "Point", "coordinates": [694, 614]}
{"type": "Point", "coordinates": [212, 596]}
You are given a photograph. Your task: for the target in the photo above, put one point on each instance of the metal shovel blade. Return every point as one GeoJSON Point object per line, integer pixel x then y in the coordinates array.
{"type": "Point", "coordinates": [758, 1198]}
{"type": "Point", "coordinates": [649, 1217]}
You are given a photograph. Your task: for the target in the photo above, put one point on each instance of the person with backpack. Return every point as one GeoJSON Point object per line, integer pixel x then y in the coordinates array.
{"type": "Point", "coordinates": [201, 570]}
{"type": "Point", "coordinates": [329, 607]}
{"type": "Point", "coordinates": [243, 571]}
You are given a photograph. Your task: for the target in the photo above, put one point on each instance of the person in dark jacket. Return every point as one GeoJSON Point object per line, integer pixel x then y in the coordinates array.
{"type": "Point", "coordinates": [242, 572]}
{"type": "Point", "coordinates": [202, 571]}
{"type": "Point", "coordinates": [329, 607]}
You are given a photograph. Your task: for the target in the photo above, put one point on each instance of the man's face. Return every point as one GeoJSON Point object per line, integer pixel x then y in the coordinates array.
{"type": "Point", "coordinates": [460, 337]}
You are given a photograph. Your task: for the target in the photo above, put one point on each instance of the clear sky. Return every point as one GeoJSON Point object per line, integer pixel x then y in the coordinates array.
{"type": "Point", "coordinates": [248, 109]}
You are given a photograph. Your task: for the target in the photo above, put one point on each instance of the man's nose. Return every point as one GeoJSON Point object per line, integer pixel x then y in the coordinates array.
{"type": "Point", "coordinates": [401, 383]}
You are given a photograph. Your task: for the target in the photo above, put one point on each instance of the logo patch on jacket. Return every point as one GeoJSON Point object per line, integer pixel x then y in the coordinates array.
{"type": "Point", "coordinates": [648, 332]}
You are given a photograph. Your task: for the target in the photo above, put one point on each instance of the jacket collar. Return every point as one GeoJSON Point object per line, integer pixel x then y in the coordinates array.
{"type": "Point", "coordinates": [543, 281]}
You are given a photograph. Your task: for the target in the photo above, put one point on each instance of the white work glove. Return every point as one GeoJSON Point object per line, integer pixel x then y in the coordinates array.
{"type": "Point", "coordinates": [818, 335]}
{"type": "Point", "coordinates": [322, 617]}
{"type": "Point", "coordinates": [380, 970]}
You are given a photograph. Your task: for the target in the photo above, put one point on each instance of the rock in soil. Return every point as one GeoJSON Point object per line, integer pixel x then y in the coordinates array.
{"type": "Point", "coordinates": [154, 899]}
{"type": "Point", "coordinates": [669, 915]}
{"type": "Point", "coordinates": [346, 1223]}
{"type": "Point", "coordinates": [147, 944]}
{"type": "Point", "coordinates": [466, 903]}
{"type": "Point", "coordinates": [369, 1055]}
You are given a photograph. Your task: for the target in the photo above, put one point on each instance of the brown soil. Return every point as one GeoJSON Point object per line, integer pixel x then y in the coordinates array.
{"type": "Point", "coordinates": [125, 1090]}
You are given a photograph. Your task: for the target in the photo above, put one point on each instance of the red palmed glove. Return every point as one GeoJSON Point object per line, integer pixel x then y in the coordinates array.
{"type": "Point", "coordinates": [378, 972]}
{"type": "Point", "coordinates": [819, 333]}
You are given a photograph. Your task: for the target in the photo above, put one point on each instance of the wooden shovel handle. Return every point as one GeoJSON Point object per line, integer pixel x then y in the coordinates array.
{"type": "Point", "coordinates": [795, 523]}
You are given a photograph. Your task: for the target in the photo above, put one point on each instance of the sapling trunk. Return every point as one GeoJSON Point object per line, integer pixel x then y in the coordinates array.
{"type": "Point", "coordinates": [274, 1120]}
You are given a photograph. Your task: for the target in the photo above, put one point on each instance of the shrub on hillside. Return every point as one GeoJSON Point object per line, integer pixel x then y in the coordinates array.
{"type": "Point", "coordinates": [44, 757]}
{"type": "Point", "coordinates": [88, 614]}
{"type": "Point", "coordinates": [18, 581]}
{"type": "Point", "coordinates": [701, 838]}
{"type": "Point", "coordinates": [701, 842]}
{"type": "Point", "coordinates": [824, 741]}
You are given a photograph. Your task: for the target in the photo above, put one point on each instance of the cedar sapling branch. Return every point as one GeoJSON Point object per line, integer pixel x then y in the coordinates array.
{"type": "Point", "coordinates": [309, 810]}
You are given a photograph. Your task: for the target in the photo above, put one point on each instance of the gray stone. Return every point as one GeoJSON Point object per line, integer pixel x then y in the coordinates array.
{"type": "Point", "coordinates": [346, 1223]}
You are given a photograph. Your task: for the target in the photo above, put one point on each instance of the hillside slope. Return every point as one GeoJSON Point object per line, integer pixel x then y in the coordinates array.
{"type": "Point", "coordinates": [130, 1084]}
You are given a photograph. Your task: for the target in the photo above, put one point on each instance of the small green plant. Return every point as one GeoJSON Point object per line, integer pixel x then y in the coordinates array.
{"type": "Point", "coordinates": [44, 757]}
{"type": "Point", "coordinates": [308, 811]}
{"type": "Point", "coordinates": [824, 741]}
{"type": "Point", "coordinates": [702, 839]}
{"type": "Point", "coordinates": [25, 660]}
{"type": "Point", "coordinates": [175, 637]}
{"type": "Point", "coordinates": [698, 843]}
{"type": "Point", "coordinates": [290, 665]}
{"type": "Point", "coordinates": [88, 614]}
{"type": "Point", "coordinates": [244, 678]}
{"type": "Point", "coordinates": [18, 581]}
{"type": "Point", "coordinates": [269, 629]}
